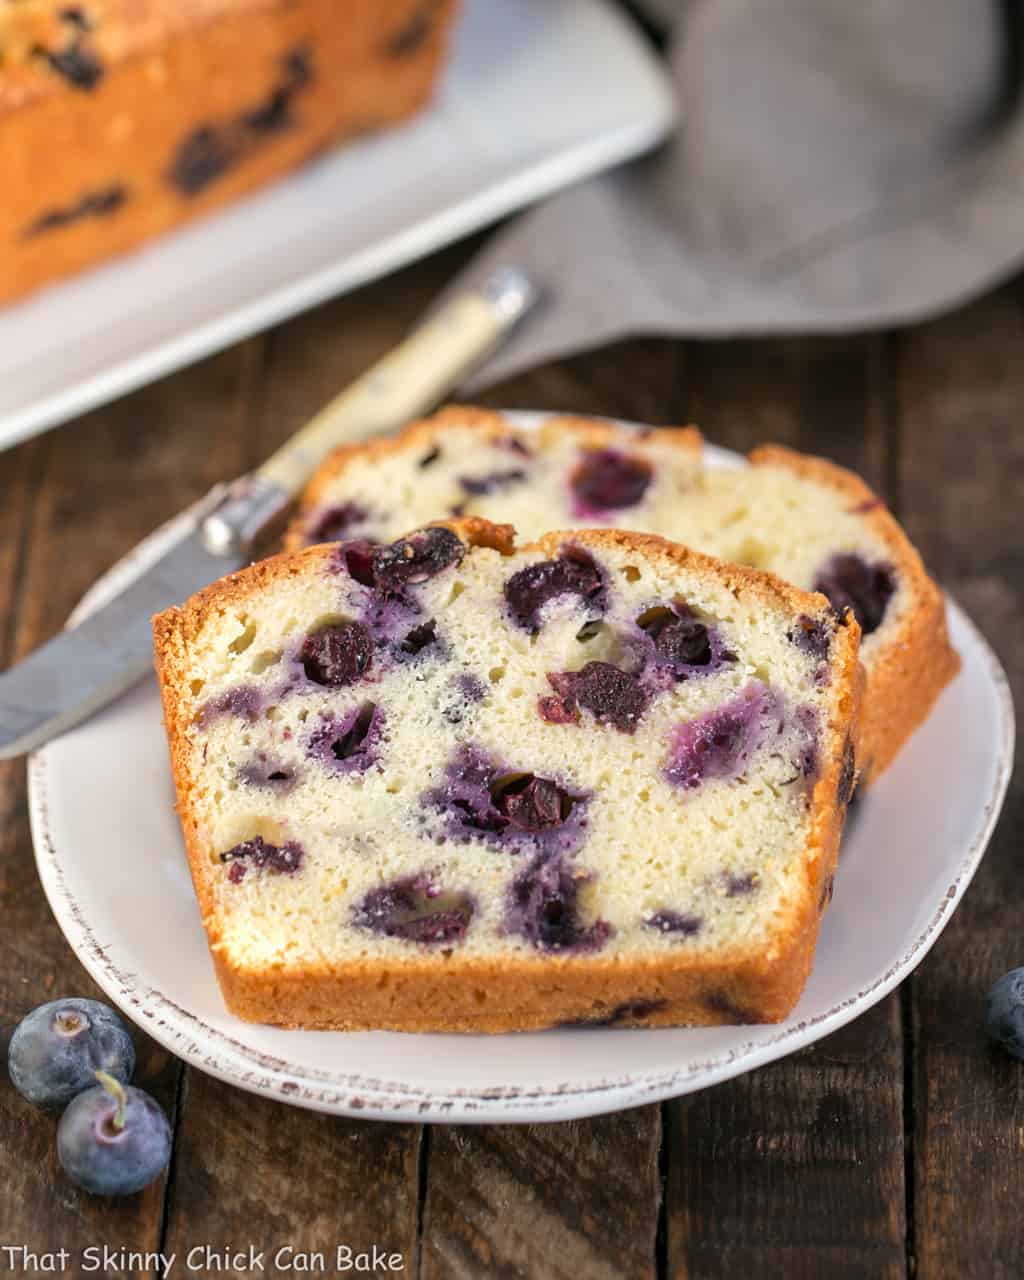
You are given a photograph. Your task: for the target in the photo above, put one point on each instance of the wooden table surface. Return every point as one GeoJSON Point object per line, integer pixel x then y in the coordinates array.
{"type": "Point", "coordinates": [893, 1148]}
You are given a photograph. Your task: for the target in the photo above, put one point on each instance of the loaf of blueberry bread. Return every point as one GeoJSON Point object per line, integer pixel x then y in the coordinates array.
{"type": "Point", "coordinates": [447, 785]}
{"type": "Point", "coordinates": [811, 522]}
{"type": "Point", "coordinates": [120, 119]}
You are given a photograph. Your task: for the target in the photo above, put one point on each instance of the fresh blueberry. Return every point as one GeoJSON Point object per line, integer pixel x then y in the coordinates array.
{"type": "Point", "coordinates": [413, 560]}
{"type": "Point", "coordinates": [337, 654]}
{"type": "Point", "coordinates": [57, 1049]}
{"type": "Point", "coordinates": [113, 1140]}
{"type": "Point", "coordinates": [1004, 1013]}
{"type": "Point", "coordinates": [258, 855]}
{"type": "Point", "coordinates": [416, 909]}
{"type": "Point", "coordinates": [575, 572]}
{"type": "Point", "coordinates": [612, 696]}
{"type": "Point", "coordinates": [608, 480]}
{"type": "Point", "coordinates": [851, 583]}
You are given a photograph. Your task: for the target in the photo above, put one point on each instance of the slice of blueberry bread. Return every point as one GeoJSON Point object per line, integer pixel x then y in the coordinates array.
{"type": "Point", "coordinates": [803, 518]}
{"type": "Point", "coordinates": [443, 784]}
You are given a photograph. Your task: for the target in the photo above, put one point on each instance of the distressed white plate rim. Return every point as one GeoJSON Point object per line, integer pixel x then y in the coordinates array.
{"type": "Point", "coordinates": [538, 94]}
{"type": "Point", "coordinates": [113, 868]}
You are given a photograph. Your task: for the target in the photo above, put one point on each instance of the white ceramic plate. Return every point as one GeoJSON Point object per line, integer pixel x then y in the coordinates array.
{"type": "Point", "coordinates": [539, 93]}
{"type": "Point", "coordinates": [111, 859]}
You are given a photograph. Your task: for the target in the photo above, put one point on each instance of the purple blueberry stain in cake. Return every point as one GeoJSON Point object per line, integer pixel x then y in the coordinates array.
{"type": "Point", "coordinates": [268, 774]}
{"type": "Point", "coordinates": [423, 636]}
{"type": "Point", "coordinates": [244, 701]}
{"type": "Point", "coordinates": [720, 743]}
{"type": "Point", "coordinates": [531, 803]}
{"type": "Point", "coordinates": [684, 924]}
{"type": "Point", "coordinates": [274, 113]}
{"type": "Point", "coordinates": [79, 65]}
{"type": "Point", "coordinates": [411, 37]}
{"type": "Point", "coordinates": [738, 886]}
{"type": "Point", "coordinates": [94, 204]}
{"type": "Point", "coordinates": [413, 560]}
{"type": "Point", "coordinates": [804, 726]}
{"type": "Point", "coordinates": [611, 695]}
{"type": "Point", "coordinates": [355, 557]}
{"type": "Point", "coordinates": [608, 480]}
{"type": "Point", "coordinates": [514, 445]}
{"type": "Point", "coordinates": [416, 909]}
{"type": "Point", "coordinates": [850, 582]}
{"type": "Point", "coordinates": [211, 150]}
{"type": "Point", "coordinates": [492, 482]}
{"type": "Point", "coordinates": [349, 743]}
{"type": "Point", "coordinates": [334, 523]}
{"type": "Point", "coordinates": [258, 854]}
{"type": "Point", "coordinates": [722, 1003]}
{"type": "Point", "coordinates": [337, 654]}
{"type": "Point", "coordinates": [683, 645]}
{"type": "Point", "coordinates": [575, 573]}
{"type": "Point", "coordinates": [847, 774]}
{"type": "Point", "coordinates": [480, 799]}
{"type": "Point", "coordinates": [543, 907]}
{"type": "Point", "coordinates": [465, 691]}
{"type": "Point", "coordinates": [812, 636]}
{"type": "Point", "coordinates": [629, 1011]}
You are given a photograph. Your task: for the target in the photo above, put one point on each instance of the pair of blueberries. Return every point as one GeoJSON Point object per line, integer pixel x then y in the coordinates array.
{"type": "Point", "coordinates": [112, 1139]}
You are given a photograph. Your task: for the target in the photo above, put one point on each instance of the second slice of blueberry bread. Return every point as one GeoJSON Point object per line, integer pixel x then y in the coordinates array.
{"type": "Point", "coordinates": [811, 522]}
{"type": "Point", "coordinates": [445, 784]}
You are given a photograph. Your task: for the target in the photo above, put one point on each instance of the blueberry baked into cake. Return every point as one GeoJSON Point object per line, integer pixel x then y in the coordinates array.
{"type": "Point", "coordinates": [805, 519]}
{"type": "Point", "coordinates": [447, 784]}
{"type": "Point", "coordinates": [120, 119]}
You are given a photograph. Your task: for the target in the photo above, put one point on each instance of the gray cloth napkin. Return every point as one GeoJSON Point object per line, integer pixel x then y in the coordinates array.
{"type": "Point", "coordinates": [836, 166]}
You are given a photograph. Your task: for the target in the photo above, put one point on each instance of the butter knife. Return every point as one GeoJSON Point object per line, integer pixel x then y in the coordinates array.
{"type": "Point", "coordinates": [87, 666]}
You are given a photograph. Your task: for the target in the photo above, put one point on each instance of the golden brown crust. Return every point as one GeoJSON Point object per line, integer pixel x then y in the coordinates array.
{"type": "Point", "coordinates": [480, 994]}
{"type": "Point", "coordinates": [919, 660]}
{"type": "Point", "coordinates": [591, 433]}
{"type": "Point", "coordinates": [166, 73]}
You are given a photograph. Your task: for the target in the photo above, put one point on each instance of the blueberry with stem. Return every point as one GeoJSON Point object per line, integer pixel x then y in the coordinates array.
{"type": "Point", "coordinates": [113, 1140]}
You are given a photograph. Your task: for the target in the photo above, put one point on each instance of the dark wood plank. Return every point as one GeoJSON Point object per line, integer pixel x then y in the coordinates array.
{"type": "Point", "coordinates": [962, 477]}
{"type": "Point", "coordinates": [251, 1173]}
{"type": "Point", "coordinates": [559, 1201]}
{"type": "Point", "coordinates": [154, 451]}
{"type": "Point", "coordinates": [797, 1169]}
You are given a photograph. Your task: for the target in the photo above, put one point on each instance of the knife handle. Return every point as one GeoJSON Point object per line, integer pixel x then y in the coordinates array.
{"type": "Point", "coordinates": [409, 380]}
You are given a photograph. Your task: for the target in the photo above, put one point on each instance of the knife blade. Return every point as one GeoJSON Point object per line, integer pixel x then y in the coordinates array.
{"type": "Point", "coordinates": [85, 667]}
